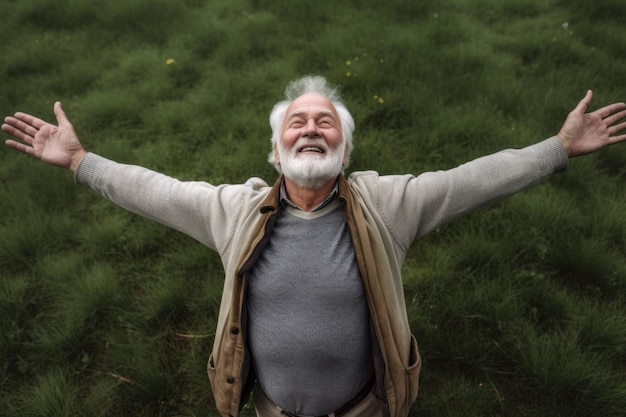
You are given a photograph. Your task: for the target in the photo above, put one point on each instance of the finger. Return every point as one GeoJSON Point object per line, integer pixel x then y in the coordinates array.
{"type": "Point", "coordinates": [617, 139]}
{"type": "Point", "coordinates": [616, 129]}
{"type": "Point", "coordinates": [17, 126]}
{"type": "Point", "coordinates": [35, 122]}
{"type": "Point", "coordinates": [612, 112]}
{"type": "Point", "coordinates": [615, 117]}
{"type": "Point", "coordinates": [20, 147]}
{"type": "Point", "coordinates": [60, 114]}
{"type": "Point", "coordinates": [11, 127]}
{"type": "Point", "coordinates": [583, 104]}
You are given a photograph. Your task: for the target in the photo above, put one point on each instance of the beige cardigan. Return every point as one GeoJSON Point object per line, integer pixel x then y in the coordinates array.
{"type": "Point", "coordinates": [385, 215]}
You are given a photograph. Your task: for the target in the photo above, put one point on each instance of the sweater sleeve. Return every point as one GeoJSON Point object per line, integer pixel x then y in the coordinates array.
{"type": "Point", "coordinates": [415, 205]}
{"type": "Point", "coordinates": [205, 212]}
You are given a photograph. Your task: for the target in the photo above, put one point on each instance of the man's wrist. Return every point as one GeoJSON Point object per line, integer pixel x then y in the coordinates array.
{"type": "Point", "coordinates": [76, 158]}
{"type": "Point", "coordinates": [565, 144]}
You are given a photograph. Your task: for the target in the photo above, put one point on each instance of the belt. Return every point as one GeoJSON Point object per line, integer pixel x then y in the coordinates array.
{"type": "Point", "coordinates": [344, 409]}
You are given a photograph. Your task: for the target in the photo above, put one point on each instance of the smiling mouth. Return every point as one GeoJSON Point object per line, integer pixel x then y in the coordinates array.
{"type": "Point", "coordinates": [313, 149]}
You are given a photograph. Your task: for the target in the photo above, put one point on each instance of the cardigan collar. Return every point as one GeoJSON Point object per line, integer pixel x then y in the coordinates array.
{"type": "Point", "coordinates": [277, 196]}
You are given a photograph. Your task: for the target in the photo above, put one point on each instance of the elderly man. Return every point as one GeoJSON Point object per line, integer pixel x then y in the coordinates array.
{"type": "Point", "coordinates": [313, 318]}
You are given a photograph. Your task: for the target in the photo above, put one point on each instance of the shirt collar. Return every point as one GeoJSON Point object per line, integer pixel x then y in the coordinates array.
{"type": "Point", "coordinates": [284, 200]}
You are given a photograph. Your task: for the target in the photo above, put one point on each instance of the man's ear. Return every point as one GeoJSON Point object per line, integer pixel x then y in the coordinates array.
{"type": "Point", "coordinates": [276, 155]}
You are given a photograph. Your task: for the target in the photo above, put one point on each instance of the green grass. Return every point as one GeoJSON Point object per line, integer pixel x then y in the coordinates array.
{"type": "Point", "coordinates": [519, 309]}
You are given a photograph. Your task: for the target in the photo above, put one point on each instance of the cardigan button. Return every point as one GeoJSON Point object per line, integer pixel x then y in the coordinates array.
{"type": "Point", "coordinates": [234, 330]}
{"type": "Point", "coordinates": [230, 380]}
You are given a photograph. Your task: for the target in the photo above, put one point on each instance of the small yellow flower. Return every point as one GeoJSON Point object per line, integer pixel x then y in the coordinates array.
{"type": "Point", "coordinates": [380, 100]}
{"type": "Point", "coordinates": [348, 62]}
{"type": "Point", "coordinates": [435, 15]}
{"type": "Point", "coordinates": [348, 74]}
{"type": "Point", "coordinates": [169, 61]}
{"type": "Point", "coordinates": [382, 61]}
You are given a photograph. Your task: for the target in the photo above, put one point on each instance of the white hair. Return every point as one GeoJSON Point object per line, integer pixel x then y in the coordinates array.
{"type": "Point", "coordinates": [305, 85]}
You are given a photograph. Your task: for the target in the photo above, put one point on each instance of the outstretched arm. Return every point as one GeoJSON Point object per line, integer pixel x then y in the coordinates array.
{"type": "Point", "coordinates": [55, 145]}
{"type": "Point", "coordinates": [583, 133]}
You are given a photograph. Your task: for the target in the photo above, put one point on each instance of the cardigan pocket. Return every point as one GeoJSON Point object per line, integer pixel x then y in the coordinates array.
{"type": "Point", "coordinates": [413, 372]}
{"type": "Point", "coordinates": [222, 392]}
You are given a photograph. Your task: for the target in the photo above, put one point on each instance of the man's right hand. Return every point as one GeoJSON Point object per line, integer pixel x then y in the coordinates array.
{"type": "Point", "coordinates": [55, 145]}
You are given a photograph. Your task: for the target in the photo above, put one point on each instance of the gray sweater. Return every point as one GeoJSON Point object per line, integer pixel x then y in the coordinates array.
{"type": "Point", "coordinates": [308, 322]}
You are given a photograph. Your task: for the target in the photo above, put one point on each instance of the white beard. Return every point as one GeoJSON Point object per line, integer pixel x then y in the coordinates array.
{"type": "Point", "coordinates": [310, 170]}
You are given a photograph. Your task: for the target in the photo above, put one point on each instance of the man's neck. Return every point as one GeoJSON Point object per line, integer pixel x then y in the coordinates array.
{"type": "Point", "coordinates": [306, 198]}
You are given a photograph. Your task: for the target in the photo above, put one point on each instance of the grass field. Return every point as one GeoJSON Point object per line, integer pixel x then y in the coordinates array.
{"type": "Point", "coordinates": [519, 310]}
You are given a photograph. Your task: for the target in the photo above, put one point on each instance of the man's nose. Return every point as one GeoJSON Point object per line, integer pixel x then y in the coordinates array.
{"type": "Point", "coordinates": [310, 129]}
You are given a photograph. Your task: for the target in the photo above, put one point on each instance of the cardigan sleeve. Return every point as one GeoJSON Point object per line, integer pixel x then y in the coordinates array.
{"type": "Point", "coordinates": [415, 205]}
{"type": "Point", "coordinates": [203, 211]}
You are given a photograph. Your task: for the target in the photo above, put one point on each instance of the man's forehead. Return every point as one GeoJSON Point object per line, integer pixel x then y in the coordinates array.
{"type": "Point", "coordinates": [311, 102]}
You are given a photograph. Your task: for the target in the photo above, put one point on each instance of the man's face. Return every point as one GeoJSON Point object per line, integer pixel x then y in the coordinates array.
{"type": "Point", "coordinates": [311, 151]}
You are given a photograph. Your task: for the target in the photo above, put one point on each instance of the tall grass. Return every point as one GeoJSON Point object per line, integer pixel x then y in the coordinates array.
{"type": "Point", "coordinates": [518, 309]}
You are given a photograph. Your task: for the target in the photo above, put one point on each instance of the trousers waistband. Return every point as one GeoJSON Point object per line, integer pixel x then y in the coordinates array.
{"type": "Point", "coordinates": [346, 407]}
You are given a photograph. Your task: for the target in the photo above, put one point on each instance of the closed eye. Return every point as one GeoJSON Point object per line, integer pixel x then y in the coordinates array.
{"type": "Point", "coordinates": [327, 123]}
